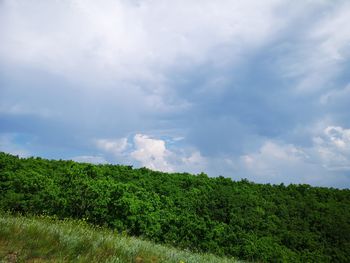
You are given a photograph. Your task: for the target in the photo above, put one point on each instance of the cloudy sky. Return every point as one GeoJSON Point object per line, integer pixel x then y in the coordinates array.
{"type": "Point", "coordinates": [245, 89]}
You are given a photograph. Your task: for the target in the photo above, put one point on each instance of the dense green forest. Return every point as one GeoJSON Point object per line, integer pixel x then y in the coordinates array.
{"type": "Point", "coordinates": [255, 222]}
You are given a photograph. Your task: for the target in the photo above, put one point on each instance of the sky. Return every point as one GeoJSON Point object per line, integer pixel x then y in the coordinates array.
{"type": "Point", "coordinates": [244, 89]}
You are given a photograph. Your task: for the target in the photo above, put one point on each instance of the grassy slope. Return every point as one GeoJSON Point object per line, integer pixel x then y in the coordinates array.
{"type": "Point", "coordinates": [42, 239]}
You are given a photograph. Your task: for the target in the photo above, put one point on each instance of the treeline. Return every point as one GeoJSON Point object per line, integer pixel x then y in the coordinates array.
{"type": "Point", "coordinates": [268, 223]}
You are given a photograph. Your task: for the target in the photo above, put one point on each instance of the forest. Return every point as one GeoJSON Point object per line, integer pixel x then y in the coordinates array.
{"type": "Point", "coordinates": [249, 221]}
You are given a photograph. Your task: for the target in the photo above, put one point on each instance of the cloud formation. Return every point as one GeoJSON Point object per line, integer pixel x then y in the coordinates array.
{"type": "Point", "coordinates": [333, 147]}
{"type": "Point", "coordinates": [153, 153]}
{"type": "Point", "coordinates": [127, 38]}
{"type": "Point", "coordinates": [256, 90]}
{"type": "Point", "coordinates": [325, 161]}
{"type": "Point", "coordinates": [90, 159]}
{"type": "Point", "coordinates": [115, 147]}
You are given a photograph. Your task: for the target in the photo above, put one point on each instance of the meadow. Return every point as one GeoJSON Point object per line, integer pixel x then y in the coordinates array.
{"type": "Point", "coordinates": [46, 239]}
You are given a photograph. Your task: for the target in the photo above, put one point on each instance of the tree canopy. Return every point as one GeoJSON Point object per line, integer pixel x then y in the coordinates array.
{"type": "Point", "coordinates": [256, 222]}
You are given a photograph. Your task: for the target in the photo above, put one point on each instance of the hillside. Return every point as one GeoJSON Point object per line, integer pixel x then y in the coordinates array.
{"type": "Point", "coordinates": [45, 239]}
{"type": "Point", "coordinates": [268, 223]}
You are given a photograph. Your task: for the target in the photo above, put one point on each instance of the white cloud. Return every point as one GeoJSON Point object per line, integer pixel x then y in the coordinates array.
{"type": "Point", "coordinates": [194, 159]}
{"type": "Point", "coordinates": [90, 159]}
{"type": "Point", "coordinates": [128, 40]}
{"type": "Point", "coordinates": [114, 146]}
{"type": "Point", "coordinates": [317, 56]}
{"type": "Point", "coordinates": [129, 49]}
{"type": "Point", "coordinates": [334, 34]}
{"type": "Point", "coordinates": [326, 162]}
{"type": "Point", "coordinates": [274, 161]}
{"type": "Point", "coordinates": [153, 153]}
{"type": "Point", "coordinates": [333, 148]}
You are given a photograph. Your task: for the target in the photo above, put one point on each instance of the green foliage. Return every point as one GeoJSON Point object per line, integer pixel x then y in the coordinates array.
{"type": "Point", "coordinates": [268, 223]}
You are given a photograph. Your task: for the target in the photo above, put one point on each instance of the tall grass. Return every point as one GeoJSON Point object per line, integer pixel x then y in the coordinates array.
{"type": "Point", "coordinates": [44, 239]}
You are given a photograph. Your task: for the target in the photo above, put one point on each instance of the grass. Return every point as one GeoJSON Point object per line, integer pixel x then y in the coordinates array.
{"type": "Point", "coordinates": [44, 239]}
